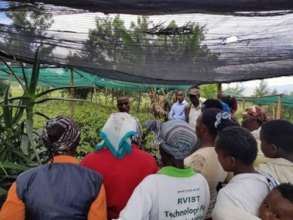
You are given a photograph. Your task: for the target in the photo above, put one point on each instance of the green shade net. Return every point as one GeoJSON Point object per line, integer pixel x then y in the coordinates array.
{"type": "Point", "coordinates": [61, 77]}
{"type": "Point", "coordinates": [286, 100]}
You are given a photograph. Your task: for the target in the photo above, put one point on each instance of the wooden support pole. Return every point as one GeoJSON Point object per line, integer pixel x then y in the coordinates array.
{"type": "Point", "coordinates": [112, 95]}
{"type": "Point", "coordinates": [72, 104]}
{"type": "Point", "coordinates": [95, 95]}
{"type": "Point", "coordinates": [139, 102]}
{"type": "Point", "coordinates": [243, 103]}
{"type": "Point", "coordinates": [219, 90]}
{"type": "Point", "coordinates": [279, 108]}
{"type": "Point", "coordinates": [106, 96]}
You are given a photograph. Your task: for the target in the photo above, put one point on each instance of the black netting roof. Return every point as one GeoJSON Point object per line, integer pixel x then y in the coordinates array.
{"type": "Point", "coordinates": [151, 7]}
{"type": "Point", "coordinates": [166, 49]}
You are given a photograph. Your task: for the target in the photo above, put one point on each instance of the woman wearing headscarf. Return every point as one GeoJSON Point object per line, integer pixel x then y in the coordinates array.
{"type": "Point", "coordinates": [175, 192]}
{"type": "Point", "coordinates": [120, 161]}
{"type": "Point", "coordinates": [61, 189]}
{"type": "Point", "coordinates": [252, 119]}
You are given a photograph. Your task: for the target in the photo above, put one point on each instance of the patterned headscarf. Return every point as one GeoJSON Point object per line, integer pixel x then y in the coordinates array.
{"type": "Point", "coordinates": [61, 135]}
{"type": "Point", "coordinates": [257, 113]}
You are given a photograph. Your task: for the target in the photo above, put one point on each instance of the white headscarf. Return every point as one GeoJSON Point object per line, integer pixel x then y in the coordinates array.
{"type": "Point", "coordinates": [117, 133]}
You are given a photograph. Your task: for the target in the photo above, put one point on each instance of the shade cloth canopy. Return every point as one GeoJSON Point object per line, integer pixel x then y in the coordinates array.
{"type": "Point", "coordinates": [174, 50]}
{"type": "Point", "coordinates": [151, 7]}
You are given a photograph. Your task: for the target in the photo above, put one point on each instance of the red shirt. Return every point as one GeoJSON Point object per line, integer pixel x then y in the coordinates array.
{"type": "Point", "coordinates": [121, 176]}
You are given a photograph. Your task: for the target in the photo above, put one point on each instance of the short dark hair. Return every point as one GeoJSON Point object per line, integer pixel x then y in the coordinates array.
{"type": "Point", "coordinates": [239, 143]}
{"type": "Point", "coordinates": [279, 133]}
{"type": "Point", "coordinates": [212, 103]}
{"type": "Point", "coordinates": [209, 117]}
{"type": "Point", "coordinates": [286, 189]}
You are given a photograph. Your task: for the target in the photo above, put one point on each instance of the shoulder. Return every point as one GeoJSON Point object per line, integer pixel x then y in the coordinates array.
{"type": "Point", "coordinates": [197, 160]}
{"type": "Point", "coordinates": [264, 167]}
{"type": "Point", "coordinates": [151, 178]}
{"type": "Point", "coordinates": [200, 178]}
{"type": "Point", "coordinates": [200, 181]}
{"type": "Point", "coordinates": [148, 183]}
{"type": "Point", "coordinates": [92, 157]}
{"type": "Point", "coordinates": [142, 154]}
{"type": "Point", "coordinates": [174, 104]}
{"type": "Point", "coordinates": [89, 172]}
{"type": "Point", "coordinates": [145, 157]}
{"type": "Point", "coordinates": [29, 174]}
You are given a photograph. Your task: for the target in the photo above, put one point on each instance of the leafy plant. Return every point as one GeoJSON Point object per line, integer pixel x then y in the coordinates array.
{"type": "Point", "coordinates": [19, 148]}
{"type": "Point", "coordinates": [12, 141]}
{"type": "Point", "coordinates": [32, 96]}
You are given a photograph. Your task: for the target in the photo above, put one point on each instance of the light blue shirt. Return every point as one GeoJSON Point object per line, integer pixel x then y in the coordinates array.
{"type": "Point", "coordinates": [177, 111]}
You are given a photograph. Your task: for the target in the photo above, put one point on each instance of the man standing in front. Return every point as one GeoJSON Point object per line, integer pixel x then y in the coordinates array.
{"type": "Point", "coordinates": [194, 110]}
{"type": "Point", "coordinates": [123, 105]}
{"type": "Point", "coordinates": [179, 108]}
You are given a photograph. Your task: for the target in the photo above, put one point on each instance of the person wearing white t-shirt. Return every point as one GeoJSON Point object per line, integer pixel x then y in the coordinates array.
{"type": "Point", "coordinates": [174, 192]}
{"type": "Point", "coordinates": [205, 160]}
{"type": "Point", "coordinates": [194, 110]}
{"type": "Point", "coordinates": [237, 151]}
{"type": "Point", "coordinates": [277, 144]}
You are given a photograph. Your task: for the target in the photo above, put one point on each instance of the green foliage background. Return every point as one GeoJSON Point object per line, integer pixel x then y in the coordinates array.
{"type": "Point", "coordinates": [89, 116]}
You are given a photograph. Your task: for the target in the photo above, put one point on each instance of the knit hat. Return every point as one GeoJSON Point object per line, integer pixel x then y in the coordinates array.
{"type": "Point", "coordinates": [178, 139]}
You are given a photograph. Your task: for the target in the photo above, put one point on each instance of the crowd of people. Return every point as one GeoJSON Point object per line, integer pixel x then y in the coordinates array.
{"type": "Point", "coordinates": [210, 167]}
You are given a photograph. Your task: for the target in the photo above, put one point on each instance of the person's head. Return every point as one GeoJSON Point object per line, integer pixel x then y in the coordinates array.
{"type": "Point", "coordinates": [231, 102]}
{"type": "Point", "coordinates": [253, 118]}
{"type": "Point", "coordinates": [194, 95]}
{"type": "Point", "coordinates": [210, 122]}
{"type": "Point", "coordinates": [177, 141]}
{"type": "Point", "coordinates": [123, 104]}
{"type": "Point", "coordinates": [277, 138]}
{"type": "Point", "coordinates": [180, 96]}
{"type": "Point", "coordinates": [119, 133]}
{"type": "Point", "coordinates": [236, 148]}
{"type": "Point", "coordinates": [278, 205]}
{"type": "Point", "coordinates": [61, 136]}
{"type": "Point", "coordinates": [212, 103]}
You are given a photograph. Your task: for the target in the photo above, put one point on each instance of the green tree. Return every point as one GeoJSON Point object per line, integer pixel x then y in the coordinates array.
{"type": "Point", "coordinates": [29, 28]}
{"type": "Point", "coordinates": [208, 91]}
{"type": "Point", "coordinates": [262, 89]}
{"type": "Point", "coordinates": [236, 91]}
{"type": "Point", "coordinates": [144, 48]}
